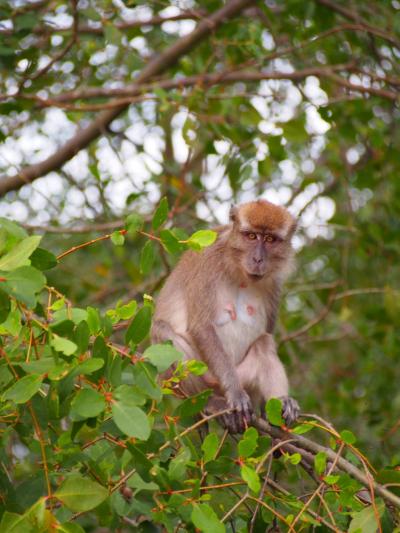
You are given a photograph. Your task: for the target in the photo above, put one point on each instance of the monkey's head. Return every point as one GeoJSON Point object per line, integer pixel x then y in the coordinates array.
{"type": "Point", "coordinates": [261, 238]}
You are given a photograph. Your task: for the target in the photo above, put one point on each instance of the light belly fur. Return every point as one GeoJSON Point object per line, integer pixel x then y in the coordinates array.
{"type": "Point", "coordinates": [240, 321]}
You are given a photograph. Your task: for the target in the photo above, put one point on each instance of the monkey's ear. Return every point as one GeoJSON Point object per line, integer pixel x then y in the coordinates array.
{"type": "Point", "coordinates": [233, 213]}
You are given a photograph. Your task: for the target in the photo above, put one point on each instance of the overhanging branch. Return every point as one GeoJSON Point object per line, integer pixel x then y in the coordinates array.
{"type": "Point", "coordinates": [155, 67]}
{"type": "Point", "coordinates": [302, 443]}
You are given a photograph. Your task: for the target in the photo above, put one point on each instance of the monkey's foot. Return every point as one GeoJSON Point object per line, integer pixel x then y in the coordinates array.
{"type": "Point", "coordinates": [242, 414]}
{"type": "Point", "coordinates": [239, 419]}
{"type": "Point", "coordinates": [290, 410]}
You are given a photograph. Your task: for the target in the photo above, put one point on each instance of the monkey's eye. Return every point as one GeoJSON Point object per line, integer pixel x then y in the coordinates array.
{"type": "Point", "coordinates": [252, 236]}
{"type": "Point", "coordinates": [269, 238]}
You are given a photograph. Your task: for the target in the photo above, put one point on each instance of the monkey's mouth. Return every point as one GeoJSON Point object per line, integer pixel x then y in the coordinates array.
{"type": "Point", "coordinates": [255, 277]}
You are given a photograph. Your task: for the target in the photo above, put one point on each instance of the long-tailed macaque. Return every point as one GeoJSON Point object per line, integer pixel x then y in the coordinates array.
{"type": "Point", "coordinates": [220, 306]}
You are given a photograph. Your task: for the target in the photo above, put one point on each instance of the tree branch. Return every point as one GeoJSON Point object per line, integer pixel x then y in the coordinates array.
{"type": "Point", "coordinates": [159, 64]}
{"type": "Point", "coordinates": [157, 20]}
{"type": "Point", "coordinates": [302, 443]}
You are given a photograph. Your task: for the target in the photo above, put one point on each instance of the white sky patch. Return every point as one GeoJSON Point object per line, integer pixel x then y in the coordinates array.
{"type": "Point", "coordinates": [117, 192]}
{"type": "Point", "coordinates": [289, 171]}
{"type": "Point", "coordinates": [278, 195]}
{"type": "Point", "coordinates": [215, 172]}
{"type": "Point", "coordinates": [181, 149]}
{"type": "Point", "coordinates": [181, 27]}
{"type": "Point", "coordinates": [153, 145]}
{"type": "Point", "coordinates": [303, 198]}
{"type": "Point", "coordinates": [261, 104]}
{"type": "Point", "coordinates": [222, 147]}
{"type": "Point", "coordinates": [75, 197]}
{"type": "Point", "coordinates": [262, 149]}
{"type": "Point", "coordinates": [307, 166]}
{"type": "Point", "coordinates": [268, 127]}
{"type": "Point", "coordinates": [52, 184]}
{"type": "Point", "coordinates": [78, 166]}
{"type": "Point", "coordinates": [267, 40]}
{"type": "Point", "coordinates": [315, 125]}
{"type": "Point", "coordinates": [316, 216]}
{"type": "Point", "coordinates": [354, 154]}
{"type": "Point", "coordinates": [314, 92]}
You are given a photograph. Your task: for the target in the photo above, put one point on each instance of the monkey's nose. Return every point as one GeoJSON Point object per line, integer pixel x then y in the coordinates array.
{"type": "Point", "coordinates": [258, 260]}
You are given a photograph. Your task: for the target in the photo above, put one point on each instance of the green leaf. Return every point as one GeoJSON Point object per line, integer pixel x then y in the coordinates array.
{"type": "Point", "coordinates": [65, 346]}
{"type": "Point", "coordinates": [126, 311]}
{"type": "Point", "coordinates": [129, 395]}
{"type": "Point", "coordinates": [15, 523]}
{"type": "Point", "coordinates": [93, 319]}
{"type": "Point", "coordinates": [82, 335]}
{"type": "Point", "coordinates": [295, 458]}
{"type": "Point", "coordinates": [274, 412]}
{"type": "Point", "coordinates": [145, 378]}
{"type": "Point", "coordinates": [70, 527]}
{"type": "Point", "coordinates": [347, 436]}
{"type": "Point", "coordinates": [117, 238]}
{"type": "Point", "coordinates": [162, 356]}
{"type": "Point", "coordinates": [170, 242]}
{"type": "Point", "coordinates": [365, 521]}
{"type": "Point", "coordinates": [194, 404]}
{"type": "Point", "coordinates": [248, 444]}
{"type": "Point", "coordinates": [276, 150]}
{"type": "Point", "coordinates": [41, 366]}
{"type": "Point", "coordinates": [26, 21]}
{"type": "Point", "coordinates": [209, 447]}
{"type": "Point", "coordinates": [331, 479]}
{"type": "Point", "coordinates": [133, 223]}
{"type": "Point", "coordinates": [198, 368]}
{"type": "Point", "coordinates": [89, 366]}
{"type": "Point", "coordinates": [58, 304]}
{"type": "Point", "coordinates": [201, 239]}
{"type": "Point", "coordinates": [43, 260]}
{"type": "Point", "coordinates": [177, 467]}
{"type": "Point", "coordinates": [131, 420]}
{"type": "Point", "coordinates": [250, 476]}
{"type": "Point", "coordinates": [140, 326]}
{"type": "Point", "coordinates": [87, 403]}
{"type": "Point", "coordinates": [20, 254]}
{"type": "Point", "coordinates": [13, 229]}
{"type": "Point", "coordinates": [23, 389]}
{"type": "Point", "coordinates": [161, 214]}
{"type": "Point", "coordinates": [75, 314]}
{"type": "Point", "coordinates": [5, 306]}
{"type": "Point", "coordinates": [205, 519]}
{"type": "Point", "coordinates": [23, 283]}
{"type": "Point", "coordinates": [80, 494]}
{"type": "Point", "coordinates": [302, 428]}
{"type": "Point", "coordinates": [320, 462]}
{"type": "Point", "coordinates": [147, 257]}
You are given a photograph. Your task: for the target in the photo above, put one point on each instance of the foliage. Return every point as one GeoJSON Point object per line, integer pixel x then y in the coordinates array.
{"type": "Point", "coordinates": [293, 101]}
{"type": "Point", "coordinates": [99, 440]}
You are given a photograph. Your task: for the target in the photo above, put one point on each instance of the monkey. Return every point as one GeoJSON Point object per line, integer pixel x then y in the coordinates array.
{"type": "Point", "coordinates": [220, 306]}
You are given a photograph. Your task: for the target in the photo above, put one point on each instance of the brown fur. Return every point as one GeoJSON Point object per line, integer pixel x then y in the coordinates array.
{"type": "Point", "coordinates": [201, 286]}
{"type": "Point", "coordinates": [264, 215]}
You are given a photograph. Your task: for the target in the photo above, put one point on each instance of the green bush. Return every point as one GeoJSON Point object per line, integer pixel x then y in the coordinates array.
{"type": "Point", "coordinates": [91, 437]}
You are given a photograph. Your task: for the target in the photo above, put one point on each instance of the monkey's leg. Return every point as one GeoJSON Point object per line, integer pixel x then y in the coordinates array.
{"type": "Point", "coordinates": [263, 376]}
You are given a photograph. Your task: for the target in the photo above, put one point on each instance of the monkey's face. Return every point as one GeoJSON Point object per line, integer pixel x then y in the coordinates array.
{"type": "Point", "coordinates": [260, 253]}
{"type": "Point", "coordinates": [260, 238]}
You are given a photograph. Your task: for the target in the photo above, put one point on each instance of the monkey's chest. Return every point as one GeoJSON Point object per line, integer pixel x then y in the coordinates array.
{"type": "Point", "coordinates": [240, 320]}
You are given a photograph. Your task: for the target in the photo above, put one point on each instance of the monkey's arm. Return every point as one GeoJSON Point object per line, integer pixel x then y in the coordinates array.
{"type": "Point", "coordinates": [223, 370]}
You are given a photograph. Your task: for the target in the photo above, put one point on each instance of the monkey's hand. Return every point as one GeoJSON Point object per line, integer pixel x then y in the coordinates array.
{"type": "Point", "coordinates": [242, 415]}
{"type": "Point", "coordinates": [290, 410]}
